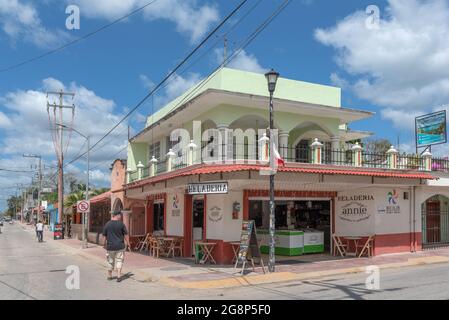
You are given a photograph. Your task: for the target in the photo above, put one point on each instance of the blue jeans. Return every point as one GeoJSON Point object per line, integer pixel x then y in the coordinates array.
{"type": "Point", "coordinates": [40, 235]}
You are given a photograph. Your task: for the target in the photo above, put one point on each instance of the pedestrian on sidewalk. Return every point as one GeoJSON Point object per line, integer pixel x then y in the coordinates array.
{"type": "Point", "coordinates": [40, 231]}
{"type": "Point", "coordinates": [116, 242]}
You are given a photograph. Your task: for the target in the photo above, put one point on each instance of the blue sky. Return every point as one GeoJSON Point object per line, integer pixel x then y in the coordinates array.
{"type": "Point", "coordinates": [398, 70]}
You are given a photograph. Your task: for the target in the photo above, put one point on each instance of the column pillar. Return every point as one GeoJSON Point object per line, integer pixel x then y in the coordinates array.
{"type": "Point", "coordinates": [170, 156]}
{"type": "Point", "coordinates": [392, 158]}
{"type": "Point", "coordinates": [357, 155]}
{"type": "Point", "coordinates": [427, 161]}
{"type": "Point", "coordinates": [264, 154]}
{"type": "Point", "coordinates": [335, 150]}
{"type": "Point", "coordinates": [140, 167]}
{"type": "Point", "coordinates": [283, 145]}
{"type": "Point", "coordinates": [153, 163]}
{"type": "Point", "coordinates": [317, 148]}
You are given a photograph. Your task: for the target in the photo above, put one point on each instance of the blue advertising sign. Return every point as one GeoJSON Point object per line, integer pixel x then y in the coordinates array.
{"type": "Point", "coordinates": [431, 129]}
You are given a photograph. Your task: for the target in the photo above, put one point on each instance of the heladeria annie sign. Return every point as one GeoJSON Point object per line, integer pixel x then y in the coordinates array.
{"type": "Point", "coordinates": [355, 207]}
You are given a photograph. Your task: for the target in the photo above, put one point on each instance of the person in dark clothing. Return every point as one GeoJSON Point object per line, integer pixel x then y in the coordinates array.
{"type": "Point", "coordinates": [116, 242]}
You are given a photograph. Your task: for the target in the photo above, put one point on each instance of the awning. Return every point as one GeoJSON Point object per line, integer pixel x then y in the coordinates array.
{"type": "Point", "coordinates": [213, 169]}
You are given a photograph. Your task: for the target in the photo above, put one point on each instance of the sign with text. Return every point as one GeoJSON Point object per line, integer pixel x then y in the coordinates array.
{"type": "Point", "coordinates": [249, 246]}
{"type": "Point", "coordinates": [207, 188]}
{"type": "Point", "coordinates": [431, 129]}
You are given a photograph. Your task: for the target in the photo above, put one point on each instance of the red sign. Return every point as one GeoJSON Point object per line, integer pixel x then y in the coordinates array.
{"type": "Point", "coordinates": [83, 206]}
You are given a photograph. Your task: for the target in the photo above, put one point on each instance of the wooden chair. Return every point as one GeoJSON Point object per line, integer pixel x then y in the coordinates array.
{"type": "Point", "coordinates": [339, 246]}
{"type": "Point", "coordinates": [140, 244]}
{"type": "Point", "coordinates": [179, 245]}
{"type": "Point", "coordinates": [367, 247]}
{"type": "Point", "coordinates": [158, 247]}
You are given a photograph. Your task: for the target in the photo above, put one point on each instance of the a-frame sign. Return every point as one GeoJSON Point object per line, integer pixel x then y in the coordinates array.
{"type": "Point", "coordinates": [249, 246]}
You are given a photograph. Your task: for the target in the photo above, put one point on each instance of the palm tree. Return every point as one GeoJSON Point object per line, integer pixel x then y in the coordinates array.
{"type": "Point", "coordinates": [73, 198]}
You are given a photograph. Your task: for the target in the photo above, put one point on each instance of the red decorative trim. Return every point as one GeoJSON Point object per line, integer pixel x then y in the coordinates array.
{"type": "Point", "coordinates": [245, 205]}
{"type": "Point", "coordinates": [187, 225]}
{"type": "Point", "coordinates": [295, 168]}
{"type": "Point", "coordinates": [165, 214]}
{"type": "Point", "coordinates": [205, 217]}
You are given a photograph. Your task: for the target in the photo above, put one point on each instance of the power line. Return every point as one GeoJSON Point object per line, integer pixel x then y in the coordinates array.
{"type": "Point", "coordinates": [88, 35]}
{"type": "Point", "coordinates": [236, 52]}
{"type": "Point", "coordinates": [167, 77]}
{"type": "Point", "coordinates": [12, 170]}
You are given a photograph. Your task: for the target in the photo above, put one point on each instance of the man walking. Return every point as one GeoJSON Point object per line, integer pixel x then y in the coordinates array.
{"type": "Point", "coordinates": [116, 242]}
{"type": "Point", "coordinates": [40, 231]}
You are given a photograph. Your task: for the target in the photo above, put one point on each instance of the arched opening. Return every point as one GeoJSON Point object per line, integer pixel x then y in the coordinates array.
{"type": "Point", "coordinates": [435, 221]}
{"type": "Point", "coordinates": [303, 135]}
{"type": "Point", "coordinates": [118, 205]}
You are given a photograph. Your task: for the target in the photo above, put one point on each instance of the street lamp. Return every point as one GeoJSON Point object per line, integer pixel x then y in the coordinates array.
{"type": "Point", "coordinates": [272, 77]}
{"type": "Point", "coordinates": [87, 182]}
{"type": "Point", "coordinates": [37, 156]}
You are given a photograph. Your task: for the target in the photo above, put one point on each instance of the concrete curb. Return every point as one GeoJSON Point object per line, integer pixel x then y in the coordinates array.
{"type": "Point", "coordinates": [291, 276]}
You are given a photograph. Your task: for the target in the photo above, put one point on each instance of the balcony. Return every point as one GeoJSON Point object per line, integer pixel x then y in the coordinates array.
{"type": "Point", "coordinates": [316, 154]}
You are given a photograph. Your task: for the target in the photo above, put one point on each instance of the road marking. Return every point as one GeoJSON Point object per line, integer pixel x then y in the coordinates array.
{"type": "Point", "coordinates": [18, 290]}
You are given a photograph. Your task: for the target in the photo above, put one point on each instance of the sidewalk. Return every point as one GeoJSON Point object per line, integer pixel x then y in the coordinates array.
{"type": "Point", "coordinates": [183, 273]}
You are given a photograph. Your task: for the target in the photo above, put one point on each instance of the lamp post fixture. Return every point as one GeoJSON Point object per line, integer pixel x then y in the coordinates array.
{"type": "Point", "coordinates": [272, 77]}
{"type": "Point", "coordinates": [87, 182]}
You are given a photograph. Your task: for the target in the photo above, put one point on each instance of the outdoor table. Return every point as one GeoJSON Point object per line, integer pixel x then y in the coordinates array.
{"type": "Point", "coordinates": [355, 240]}
{"type": "Point", "coordinates": [207, 248]}
{"type": "Point", "coordinates": [235, 249]}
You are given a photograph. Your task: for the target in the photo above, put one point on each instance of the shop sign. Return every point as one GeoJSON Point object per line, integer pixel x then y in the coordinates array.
{"type": "Point", "coordinates": [175, 212]}
{"type": "Point", "coordinates": [356, 210]}
{"type": "Point", "coordinates": [207, 188]}
{"type": "Point", "coordinates": [393, 206]}
{"type": "Point", "coordinates": [215, 214]}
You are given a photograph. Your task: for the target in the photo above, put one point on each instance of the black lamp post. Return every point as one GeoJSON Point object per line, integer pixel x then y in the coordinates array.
{"type": "Point", "coordinates": [272, 77]}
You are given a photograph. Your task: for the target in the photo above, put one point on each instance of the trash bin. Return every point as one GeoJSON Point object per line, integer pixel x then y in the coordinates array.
{"type": "Point", "coordinates": [198, 253]}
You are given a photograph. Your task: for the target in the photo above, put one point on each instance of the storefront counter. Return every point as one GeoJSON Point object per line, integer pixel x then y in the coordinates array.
{"type": "Point", "coordinates": [287, 242]}
{"type": "Point", "coordinates": [313, 241]}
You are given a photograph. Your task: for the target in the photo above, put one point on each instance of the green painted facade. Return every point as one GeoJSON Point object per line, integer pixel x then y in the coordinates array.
{"type": "Point", "coordinates": [234, 116]}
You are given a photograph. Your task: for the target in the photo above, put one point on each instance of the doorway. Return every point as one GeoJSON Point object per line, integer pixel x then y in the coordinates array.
{"type": "Point", "coordinates": [435, 221]}
{"type": "Point", "coordinates": [158, 217]}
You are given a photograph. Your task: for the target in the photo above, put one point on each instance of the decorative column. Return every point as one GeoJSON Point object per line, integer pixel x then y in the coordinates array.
{"type": "Point", "coordinates": [283, 145]}
{"type": "Point", "coordinates": [153, 163]}
{"type": "Point", "coordinates": [128, 175]}
{"type": "Point", "coordinates": [335, 150]}
{"type": "Point", "coordinates": [191, 147]}
{"type": "Point", "coordinates": [226, 147]}
{"type": "Point", "coordinates": [264, 154]}
{"type": "Point", "coordinates": [140, 167]}
{"type": "Point", "coordinates": [317, 149]}
{"type": "Point", "coordinates": [170, 156]}
{"type": "Point", "coordinates": [357, 154]}
{"type": "Point", "coordinates": [427, 161]}
{"type": "Point", "coordinates": [392, 158]}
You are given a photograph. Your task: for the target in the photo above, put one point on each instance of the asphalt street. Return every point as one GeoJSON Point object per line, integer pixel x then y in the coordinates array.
{"type": "Point", "coordinates": [32, 270]}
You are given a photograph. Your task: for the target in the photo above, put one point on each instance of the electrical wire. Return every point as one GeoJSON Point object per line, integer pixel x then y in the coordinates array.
{"type": "Point", "coordinates": [235, 10]}
{"type": "Point", "coordinates": [88, 35]}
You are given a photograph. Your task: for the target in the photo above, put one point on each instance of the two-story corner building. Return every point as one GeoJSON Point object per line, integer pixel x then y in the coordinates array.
{"type": "Point", "coordinates": [199, 168]}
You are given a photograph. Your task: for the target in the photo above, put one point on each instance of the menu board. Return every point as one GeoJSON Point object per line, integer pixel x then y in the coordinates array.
{"type": "Point", "coordinates": [249, 246]}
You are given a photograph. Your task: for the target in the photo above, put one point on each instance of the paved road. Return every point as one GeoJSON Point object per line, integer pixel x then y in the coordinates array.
{"type": "Point", "coordinates": [32, 270]}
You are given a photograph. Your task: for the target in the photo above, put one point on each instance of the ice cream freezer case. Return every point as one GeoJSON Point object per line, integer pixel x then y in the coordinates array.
{"type": "Point", "coordinates": [292, 242]}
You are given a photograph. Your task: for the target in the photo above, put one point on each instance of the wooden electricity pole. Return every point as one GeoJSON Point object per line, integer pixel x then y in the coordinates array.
{"type": "Point", "coordinates": [59, 147]}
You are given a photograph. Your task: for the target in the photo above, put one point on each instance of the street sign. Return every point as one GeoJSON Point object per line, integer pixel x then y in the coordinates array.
{"type": "Point", "coordinates": [83, 206]}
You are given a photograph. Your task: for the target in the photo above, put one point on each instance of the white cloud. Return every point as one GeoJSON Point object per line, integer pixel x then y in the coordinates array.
{"type": "Point", "coordinates": [190, 18]}
{"type": "Point", "coordinates": [174, 87]}
{"type": "Point", "coordinates": [403, 65]}
{"type": "Point", "coordinates": [146, 82]}
{"type": "Point", "coordinates": [20, 21]}
{"type": "Point", "coordinates": [242, 61]}
{"type": "Point", "coordinates": [94, 116]}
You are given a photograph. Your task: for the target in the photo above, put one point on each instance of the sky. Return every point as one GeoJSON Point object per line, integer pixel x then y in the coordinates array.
{"type": "Point", "coordinates": [394, 62]}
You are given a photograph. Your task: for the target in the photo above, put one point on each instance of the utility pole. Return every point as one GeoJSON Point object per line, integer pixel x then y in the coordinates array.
{"type": "Point", "coordinates": [59, 146]}
{"type": "Point", "coordinates": [39, 190]}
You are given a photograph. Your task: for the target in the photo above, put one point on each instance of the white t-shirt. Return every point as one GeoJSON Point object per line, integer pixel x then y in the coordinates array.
{"type": "Point", "coordinates": [40, 226]}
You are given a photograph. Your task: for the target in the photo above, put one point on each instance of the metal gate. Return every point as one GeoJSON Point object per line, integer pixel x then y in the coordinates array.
{"type": "Point", "coordinates": [435, 225]}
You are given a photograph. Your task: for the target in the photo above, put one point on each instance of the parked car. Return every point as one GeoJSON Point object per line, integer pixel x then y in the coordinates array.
{"type": "Point", "coordinates": [1, 223]}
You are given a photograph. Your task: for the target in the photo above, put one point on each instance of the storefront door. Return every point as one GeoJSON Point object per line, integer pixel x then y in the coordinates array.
{"type": "Point", "coordinates": [197, 219]}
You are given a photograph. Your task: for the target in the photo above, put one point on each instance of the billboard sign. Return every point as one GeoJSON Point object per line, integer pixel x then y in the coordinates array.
{"type": "Point", "coordinates": [430, 129]}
